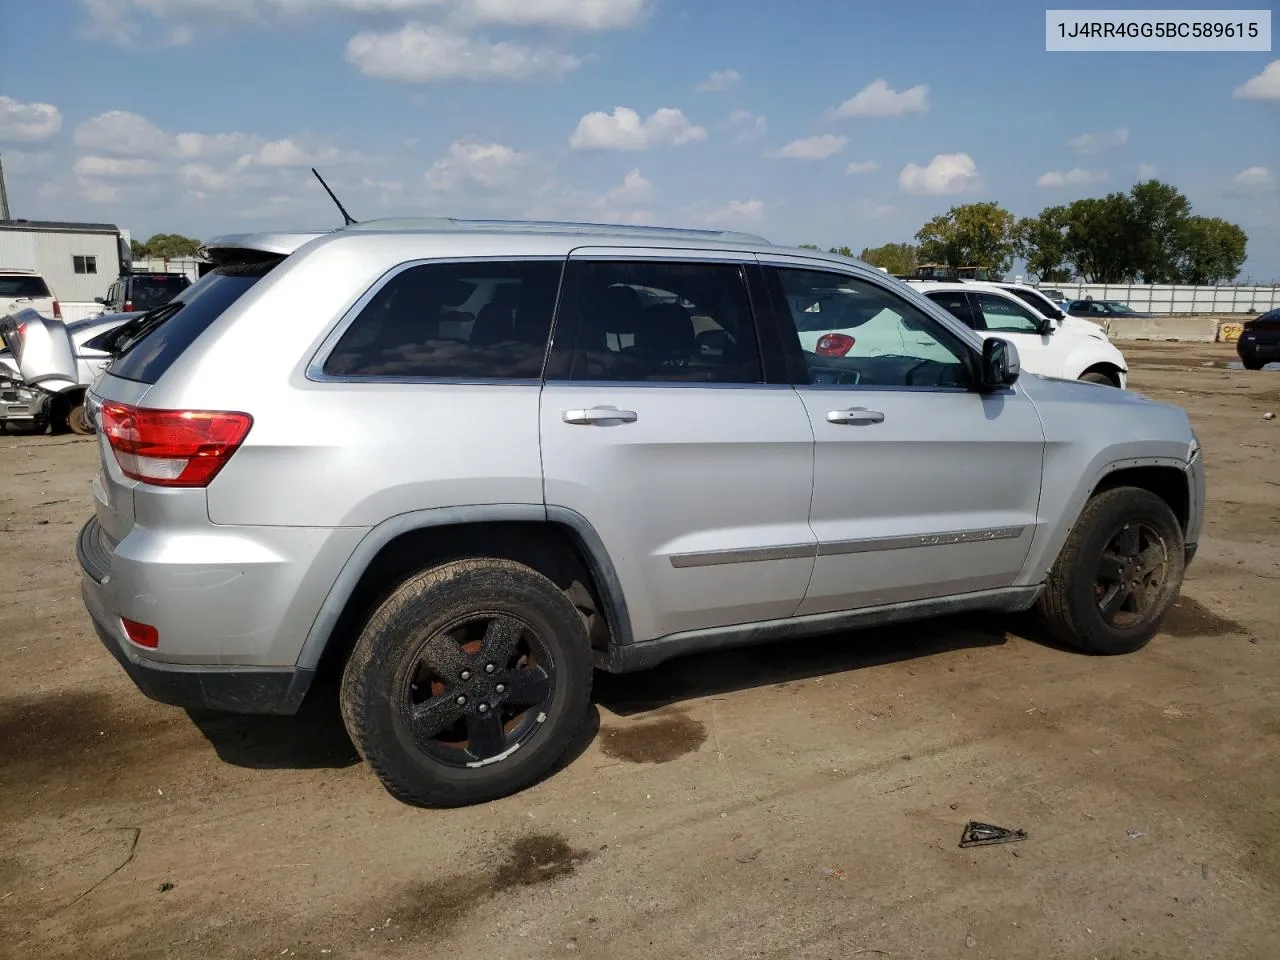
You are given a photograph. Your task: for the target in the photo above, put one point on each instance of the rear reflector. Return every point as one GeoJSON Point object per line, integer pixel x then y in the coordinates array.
{"type": "Point", "coordinates": [141, 634]}
{"type": "Point", "coordinates": [57, 310]}
{"type": "Point", "coordinates": [834, 344]}
{"type": "Point", "coordinates": [172, 448]}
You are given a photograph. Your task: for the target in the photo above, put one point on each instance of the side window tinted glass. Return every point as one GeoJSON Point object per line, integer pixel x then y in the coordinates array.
{"type": "Point", "coordinates": [857, 333]}
{"type": "Point", "coordinates": [1035, 301]}
{"type": "Point", "coordinates": [453, 321]}
{"type": "Point", "coordinates": [954, 302]}
{"type": "Point", "coordinates": [1005, 315]}
{"type": "Point", "coordinates": [659, 321]}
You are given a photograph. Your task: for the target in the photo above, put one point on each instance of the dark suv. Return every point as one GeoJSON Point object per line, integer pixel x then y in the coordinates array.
{"type": "Point", "coordinates": [137, 292]}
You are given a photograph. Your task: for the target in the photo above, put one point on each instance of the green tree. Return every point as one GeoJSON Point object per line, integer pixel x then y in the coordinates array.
{"type": "Point", "coordinates": [1042, 242]}
{"type": "Point", "coordinates": [166, 245]}
{"type": "Point", "coordinates": [1100, 239]}
{"type": "Point", "coordinates": [900, 259]}
{"type": "Point", "coordinates": [973, 234]}
{"type": "Point", "coordinates": [1157, 214]}
{"type": "Point", "coordinates": [808, 246]}
{"type": "Point", "coordinates": [842, 251]}
{"type": "Point", "coordinates": [1210, 250]}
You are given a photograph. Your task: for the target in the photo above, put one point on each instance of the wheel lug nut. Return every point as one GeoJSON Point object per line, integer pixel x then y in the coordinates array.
{"type": "Point", "coordinates": [462, 701]}
{"type": "Point", "coordinates": [489, 668]}
{"type": "Point", "coordinates": [501, 688]}
{"type": "Point", "coordinates": [483, 708]}
{"type": "Point", "coordinates": [466, 674]}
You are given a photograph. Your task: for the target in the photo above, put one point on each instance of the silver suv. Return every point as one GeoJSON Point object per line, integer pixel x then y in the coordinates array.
{"type": "Point", "coordinates": [462, 464]}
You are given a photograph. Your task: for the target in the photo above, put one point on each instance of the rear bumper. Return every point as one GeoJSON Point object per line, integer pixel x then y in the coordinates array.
{"type": "Point", "coordinates": [235, 689]}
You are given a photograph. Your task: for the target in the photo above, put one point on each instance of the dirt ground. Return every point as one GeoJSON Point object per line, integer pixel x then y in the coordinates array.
{"type": "Point", "coordinates": [799, 800]}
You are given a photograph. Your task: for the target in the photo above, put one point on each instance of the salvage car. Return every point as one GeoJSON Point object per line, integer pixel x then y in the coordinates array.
{"type": "Point", "coordinates": [343, 458]}
{"type": "Point", "coordinates": [1259, 341]}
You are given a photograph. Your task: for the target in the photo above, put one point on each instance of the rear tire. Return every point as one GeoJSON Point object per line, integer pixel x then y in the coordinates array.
{"type": "Point", "coordinates": [1094, 376]}
{"type": "Point", "coordinates": [1253, 364]}
{"type": "Point", "coordinates": [468, 683]}
{"type": "Point", "coordinates": [78, 420]}
{"type": "Point", "coordinates": [1117, 575]}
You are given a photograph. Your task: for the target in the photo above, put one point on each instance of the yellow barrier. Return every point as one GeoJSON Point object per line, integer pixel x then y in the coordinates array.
{"type": "Point", "coordinates": [1230, 331]}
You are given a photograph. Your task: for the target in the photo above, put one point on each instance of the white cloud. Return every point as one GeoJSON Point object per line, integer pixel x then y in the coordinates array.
{"type": "Point", "coordinates": [28, 122]}
{"type": "Point", "coordinates": [1096, 142]}
{"type": "Point", "coordinates": [586, 15]}
{"type": "Point", "coordinates": [634, 189]}
{"type": "Point", "coordinates": [1254, 180]}
{"type": "Point", "coordinates": [737, 211]}
{"type": "Point", "coordinates": [1265, 86]}
{"type": "Point", "coordinates": [865, 166]}
{"type": "Point", "coordinates": [1146, 171]}
{"type": "Point", "coordinates": [947, 173]}
{"type": "Point", "coordinates": [122, 133]}
{"type": "Point", "coordinates": [128, 22]}
{"type": "Point", "coordinates": [92, 166]}
{"type": "Point", "coordinates": [212, 145]}
{"type": "Point", "coordinates": [719, 81]}
{"type": "Point", "coordinates": [486, 165]}
{"type": "Point", "coordinates": [745, 125]}
{"type": "Point", "coordinates": [811, 148]}
{"type": "Point", "coordinates": [878, 99]}
{"type": "Point", "coordinates": [1075, 177]}
{"type": "Point", "coordinates": [424, 53]}
{"type": "Point", "coordinates": [624, 130]}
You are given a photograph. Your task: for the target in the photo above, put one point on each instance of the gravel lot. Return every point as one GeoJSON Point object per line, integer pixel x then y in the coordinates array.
{"type": "Point", "coordinates": [801, 800]}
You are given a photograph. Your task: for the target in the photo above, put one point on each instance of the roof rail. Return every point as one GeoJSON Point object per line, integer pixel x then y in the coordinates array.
{"type": "Point", "coordinates": [453, 224]}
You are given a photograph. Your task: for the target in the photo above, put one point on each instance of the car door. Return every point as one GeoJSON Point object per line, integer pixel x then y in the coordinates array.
{"type": "Point", "coordinates": [1003, 315]}
{"type": "Point", "coordinates": [659, 428]}
{"type": "Point", "coordinates": [923, 487]}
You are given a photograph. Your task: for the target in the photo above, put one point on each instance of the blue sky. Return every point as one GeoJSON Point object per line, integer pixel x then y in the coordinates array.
{"type": "Point", "coordinates": [811, 121]}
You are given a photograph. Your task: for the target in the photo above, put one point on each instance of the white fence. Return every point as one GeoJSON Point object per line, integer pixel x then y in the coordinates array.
{"type": "Point", "coordinates": [73, 311]}
{"type": "Point", "coordinates": [1168, 298]}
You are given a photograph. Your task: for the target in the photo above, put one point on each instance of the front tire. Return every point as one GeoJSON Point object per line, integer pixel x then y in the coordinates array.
{"type": "Point", "coordinates": [1117, 575]}
{"type": "Point", "coordinates": [1253, 364]}
{"type": "Point", "coordinates": [468, 683]}
{"type": "Point", "coordinates": [1096, 377]}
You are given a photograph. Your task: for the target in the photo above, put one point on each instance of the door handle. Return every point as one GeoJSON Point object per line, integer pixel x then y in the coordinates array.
{"type": "Point", "coordinates": [855, 415]}
{"type": "Point", "coordinates": [600, 416]}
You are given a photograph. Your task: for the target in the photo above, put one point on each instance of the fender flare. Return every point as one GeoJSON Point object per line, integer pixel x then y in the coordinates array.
{"type": "Point", "coordinates": [377, 537]}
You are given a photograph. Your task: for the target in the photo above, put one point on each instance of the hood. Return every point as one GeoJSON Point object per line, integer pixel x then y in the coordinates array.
{"type": "Point", "coordinates": [40, 347]}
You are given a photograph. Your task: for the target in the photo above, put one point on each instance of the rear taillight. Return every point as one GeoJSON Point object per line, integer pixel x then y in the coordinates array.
{"type": "Point", "coordinates": [128, 307]}
{"type": "Point", "coordinates": [172, 448]}
{"type": "Point", "coordinates": [57, 310]}
{"type": "Point", "coordinates": [834, 344]}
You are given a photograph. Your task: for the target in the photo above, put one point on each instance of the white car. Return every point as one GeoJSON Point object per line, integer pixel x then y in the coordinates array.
{"type": "Point", "coordinates": [26, 290]}
{"type": "Point", "coordinates": [1047, 346]}
{"type": "Point", "coordinates": [1046, 306]}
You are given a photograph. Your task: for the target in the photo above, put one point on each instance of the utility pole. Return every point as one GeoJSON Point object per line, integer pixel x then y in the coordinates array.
{"type": "Point", "coordinates": [4, 194]}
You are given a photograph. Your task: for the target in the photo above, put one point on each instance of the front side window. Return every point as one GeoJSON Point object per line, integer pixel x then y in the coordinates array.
{"type": "Point", "coordinates": [453, 321]}
{"type": "Point", "coordinates": [954, 302]}
{"type": "Point", "coordinates": [1036, 301]}
{"type": "Point", "coordinates": [642, 321]}
{"type": "Point", "coordinates": [1005, 315]}
{"type": "Point", "coordinates": [856, 333]}
{"type": "Point", "coordinates": [83, 264]}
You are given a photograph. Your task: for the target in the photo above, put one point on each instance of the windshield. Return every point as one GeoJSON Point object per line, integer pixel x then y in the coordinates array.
{"type": "Point", "coordinates": [22, 287]}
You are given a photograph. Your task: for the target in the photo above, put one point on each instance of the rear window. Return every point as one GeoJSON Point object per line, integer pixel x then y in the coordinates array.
{"type": "Point", "coordinates": [453, 321]}
{"type": "Point", "coordinates": [158, 339]}
{"type": "Point", "coordinates": [150, 292]}
{"type": "Point", "coordinates": [19, 287]}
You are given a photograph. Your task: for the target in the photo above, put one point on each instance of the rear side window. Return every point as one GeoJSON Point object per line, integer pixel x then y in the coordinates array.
{"type": "Point", "coordinates": [20, 287]}
{"type": "Point", "coordinates": [159, 338]}
{"type": "Point", "coordinates": [453, 321]}
{"type": "Point", "coordinates": [151, 292]}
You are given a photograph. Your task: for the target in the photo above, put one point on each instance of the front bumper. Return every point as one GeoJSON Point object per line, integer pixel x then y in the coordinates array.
{"type": "Point", "coordinates": [234, 689]}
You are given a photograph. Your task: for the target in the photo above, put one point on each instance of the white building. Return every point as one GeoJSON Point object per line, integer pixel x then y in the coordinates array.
{"type": "Point", "coordinates": [78, 261]}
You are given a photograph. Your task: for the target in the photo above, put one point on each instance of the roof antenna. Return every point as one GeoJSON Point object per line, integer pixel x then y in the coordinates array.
{"type": "Point", "coordinates": [347, 218]}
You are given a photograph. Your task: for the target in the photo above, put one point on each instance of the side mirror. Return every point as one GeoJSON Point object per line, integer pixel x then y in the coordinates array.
{"type": "Point", "coordinates": [1046, 326]}
{"type": "Point", "coordinates": [101, 300]}
{"type": "Point", "coordinates": [1000, 366]}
